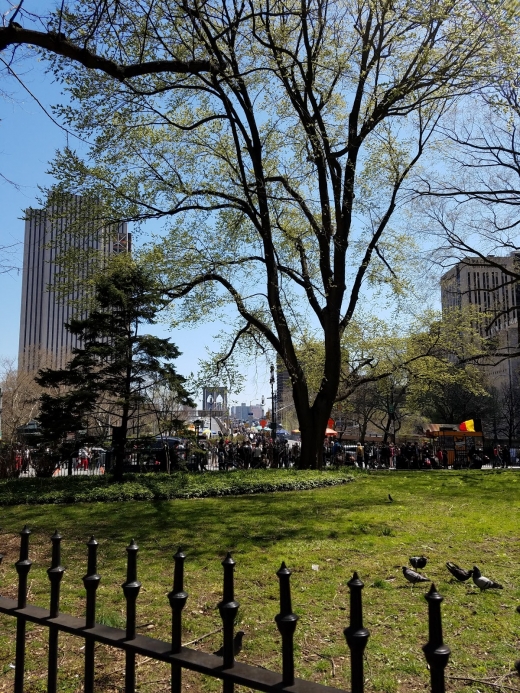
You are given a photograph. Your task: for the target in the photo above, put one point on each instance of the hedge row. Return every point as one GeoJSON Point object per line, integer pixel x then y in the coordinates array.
{"type": "Point", "coordinates": [102, 489]}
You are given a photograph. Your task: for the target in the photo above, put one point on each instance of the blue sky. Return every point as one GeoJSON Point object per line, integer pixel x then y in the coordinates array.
{"type": "Point", "coordinates": [28, 141]}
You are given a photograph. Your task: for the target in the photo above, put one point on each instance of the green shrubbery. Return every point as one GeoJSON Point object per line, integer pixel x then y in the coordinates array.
{"type": "Point", "coordinates": [102, 489]}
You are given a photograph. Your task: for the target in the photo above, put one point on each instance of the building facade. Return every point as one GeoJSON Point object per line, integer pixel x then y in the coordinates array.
{"type": "Point", "coordinates": [49, 234]}
{"type": "Point", "coordinates": [495, 298]}
{"type": "Point", "coordinates": [246, 412]}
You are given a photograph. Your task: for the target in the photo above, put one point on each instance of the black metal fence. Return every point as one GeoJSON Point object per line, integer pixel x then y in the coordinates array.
{"type": "Point", "coordinates": [223, 667]}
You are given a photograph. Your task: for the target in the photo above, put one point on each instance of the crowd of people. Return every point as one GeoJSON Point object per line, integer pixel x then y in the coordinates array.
{"type": "Point", "coordinates": [260, 452]}
{"type": "Point", "coordinates": [257, 451]}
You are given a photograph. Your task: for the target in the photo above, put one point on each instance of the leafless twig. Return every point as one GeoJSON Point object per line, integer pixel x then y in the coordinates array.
{"type": "Point", "coordinates": [483, 682]}
{"type": "Point", "coordinates": [202, 637]}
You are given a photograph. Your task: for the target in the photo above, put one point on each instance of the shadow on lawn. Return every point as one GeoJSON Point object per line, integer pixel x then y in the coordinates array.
{"type": "Point", "coordinates": [221, 523]}
{"type": "Point", "coordinates": [261, 520]}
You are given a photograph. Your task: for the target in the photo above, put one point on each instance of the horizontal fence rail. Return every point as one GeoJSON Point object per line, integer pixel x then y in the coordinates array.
{"type": "Point", "coordinates": [222, 667]}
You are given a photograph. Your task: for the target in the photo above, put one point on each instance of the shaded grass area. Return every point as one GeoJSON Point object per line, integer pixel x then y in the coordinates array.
{"type": "Point", "coordinates": [149, 487]}
{"type": "Point", "coordinates": [467, 517]}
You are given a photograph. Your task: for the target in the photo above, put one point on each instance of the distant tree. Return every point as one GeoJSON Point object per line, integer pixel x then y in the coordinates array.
{"type": "Point", "coordinates": [461, 397]}
{"type": "Point", "coordinates": [20, 399]}
{"type": "Point", "coordinates": [162, 412]}
{"type": "Point", "coordinates": [505, 412]}
{"type": "Point", "coordinates": [112, 371]}
{"type": "Point", "coordinates": [362, 406]}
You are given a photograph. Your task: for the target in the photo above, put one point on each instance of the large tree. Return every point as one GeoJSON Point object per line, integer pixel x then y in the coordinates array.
{"type": "Point", "coordinates": [283, 164]}
{"type": "Point", "coordinates": [115, 366]}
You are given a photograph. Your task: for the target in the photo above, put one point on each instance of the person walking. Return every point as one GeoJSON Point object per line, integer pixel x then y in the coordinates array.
{"type": "Point", "coordinates": [360, 455]}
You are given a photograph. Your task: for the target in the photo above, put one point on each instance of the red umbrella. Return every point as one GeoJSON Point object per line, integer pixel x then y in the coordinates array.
{"type": "Point", "coordinates": [330, 432]}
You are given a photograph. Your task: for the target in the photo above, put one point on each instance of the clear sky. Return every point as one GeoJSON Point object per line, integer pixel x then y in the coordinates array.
{"type": "Point", "coordinates": [28, 141]}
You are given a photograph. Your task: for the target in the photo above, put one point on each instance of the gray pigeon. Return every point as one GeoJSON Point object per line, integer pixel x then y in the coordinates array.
{"type": "Point", "coordinates": [483, 582]}
{"type": "Point", "coordinates": [237, 644]}
{"type": "Point", "coordinates": [414, 577]}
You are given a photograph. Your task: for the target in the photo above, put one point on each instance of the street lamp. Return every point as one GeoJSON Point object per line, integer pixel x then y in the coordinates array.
{"type": "Point", "coordinates": [198, 424]}
{"type": "Point", "coordinates": [273, 405]}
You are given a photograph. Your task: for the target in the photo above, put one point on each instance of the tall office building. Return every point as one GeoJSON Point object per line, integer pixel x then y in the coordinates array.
{"type": "Point", "coordinates": [495, 298]}
{"type": "Point", "coordinates": [66, 228]}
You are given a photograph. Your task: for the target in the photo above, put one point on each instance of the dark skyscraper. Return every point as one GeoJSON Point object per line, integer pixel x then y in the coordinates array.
{"type": "Point", "coordinates": [49, 234]}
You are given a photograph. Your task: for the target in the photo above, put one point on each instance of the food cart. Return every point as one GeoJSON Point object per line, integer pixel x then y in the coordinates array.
{"type": "Point", "coordinates": [461, 446]}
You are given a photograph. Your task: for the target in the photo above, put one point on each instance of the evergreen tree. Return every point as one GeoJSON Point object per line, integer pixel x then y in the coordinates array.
{"type": "Point", "coordinates": [115, 366]}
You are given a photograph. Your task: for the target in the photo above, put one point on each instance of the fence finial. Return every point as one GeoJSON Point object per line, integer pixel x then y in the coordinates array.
{"type": "Point", "coordinates": [55, 573]}
{"type": "Point", "coordinates": [23, 566]}
{"type": "Point", "coordinates": [228, 609]}
{"type": "Point", "coordinates": [286, 622]}
{"type": "Point", "coordinates": [435, 651]}
{"type": "Point", "coordinates": [177, 598]}
{"type": "Point", "coordinates": [91, 582]}
{"type": "Point", "coordinates": [131, 590]}
{"type": "Point", "coordinates": [356, 634]}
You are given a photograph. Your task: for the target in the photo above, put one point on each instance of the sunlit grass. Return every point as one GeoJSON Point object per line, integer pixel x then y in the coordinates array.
{"type": "Point", "coordinates": [467, 517]}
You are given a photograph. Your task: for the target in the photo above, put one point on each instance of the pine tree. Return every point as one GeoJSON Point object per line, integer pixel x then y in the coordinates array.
{"type": "Point", "coordinates": [116, 365]}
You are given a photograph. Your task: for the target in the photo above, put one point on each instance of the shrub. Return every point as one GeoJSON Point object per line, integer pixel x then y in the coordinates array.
{"type": "Point", "coordinates": [103, 489]}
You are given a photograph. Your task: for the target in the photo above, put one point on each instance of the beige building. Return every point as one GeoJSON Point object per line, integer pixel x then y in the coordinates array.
{"type": "Point", "coordinates": [495, 297]}
{"type": "Point", "coordinates": [44, 340]}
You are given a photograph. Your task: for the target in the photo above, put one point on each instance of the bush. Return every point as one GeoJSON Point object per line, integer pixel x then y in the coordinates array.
{"type": "Point", "coordinates": [103, 489]}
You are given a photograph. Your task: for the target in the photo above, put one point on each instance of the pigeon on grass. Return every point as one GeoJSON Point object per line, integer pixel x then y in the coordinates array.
{"type": "Point", "coordinates": [483, 582]}
{"type": "Point", "coordinates": [237, 644]}
{"type": "Point", "coordinates": [418, 561]}
{"type": "Point", "coordinates": [413, 577]}
{"type": "Point", "coordinates": [459, 573]}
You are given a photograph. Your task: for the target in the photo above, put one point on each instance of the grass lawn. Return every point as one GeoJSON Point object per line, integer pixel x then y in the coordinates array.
{"type": "Point", "coordinates": [466, 517]}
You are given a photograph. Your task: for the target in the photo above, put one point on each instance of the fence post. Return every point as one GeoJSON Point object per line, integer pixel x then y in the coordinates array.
{"type": "Point", "coordinates": [131, 589]}
{"type": "Point", "coordinates": [23, 567]}
{"type": "Point", "coordinates": [356, 635]}
{"type": "Point", "coordinates": [228, 609]}
{"type": "Point", "coordinates": [435, 651]}
{"type": "Point", "coordinates": [90, 582]}
{"type": "Point", "coordinates": [286, 622]}
{"type": "Point", "coordinates": [177, 598]}
{"type": "Point", "coordinates": [55, 573]}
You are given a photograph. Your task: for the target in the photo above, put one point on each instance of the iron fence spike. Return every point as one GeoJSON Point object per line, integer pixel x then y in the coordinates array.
{"type": "Point", "coordinates": [436, 652]}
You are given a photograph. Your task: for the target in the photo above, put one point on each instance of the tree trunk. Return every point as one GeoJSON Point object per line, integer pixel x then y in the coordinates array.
{"type": "Point", "coordinates": [313, 422]}
{"type": "Point", "coordinates": [311, 456]}
{"type": "Point", "coordinates": [120, 447]}
{"type": "Point", "coordinates": [363, 432]}
{"type": "Point", "coordinates": [119, 443]}
{"type": "Point", "coordinates": [313, 419]}
{"type": "Point", "coordinates": [386, 429]}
